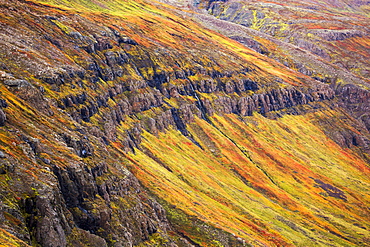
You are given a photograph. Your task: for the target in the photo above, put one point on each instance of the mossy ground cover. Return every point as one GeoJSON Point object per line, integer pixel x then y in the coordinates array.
{"type": "Point", "coordinates": [258, 178]}
{"type": "Point", "coordinates": [9, 240]}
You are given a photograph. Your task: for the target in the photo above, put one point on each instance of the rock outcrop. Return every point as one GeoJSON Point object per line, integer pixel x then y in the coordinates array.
{"type": "Point", "coordinates": [91, 204]}
{"type": "Point", "coordinates": [3, 104]}
{"type": "Point", "coordinates": [80, 204]}
{"type": "Point", "coordinates": [355, 100]}
{"type": "Point", "coordinates": [2, 118]}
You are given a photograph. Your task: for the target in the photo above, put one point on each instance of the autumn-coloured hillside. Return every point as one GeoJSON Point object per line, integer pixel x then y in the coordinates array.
{"type": "Point", "coordinates": [298, 33]}
{"type": "Point", "coordinates": [181, 123]}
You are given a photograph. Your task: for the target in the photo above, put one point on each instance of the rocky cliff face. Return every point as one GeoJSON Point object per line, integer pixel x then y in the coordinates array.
{"type": "Point", "coordinates": [76, 205]}
{"type": "Point", "coordinates": [108, 58]}
{"type": "Point", "coordinates": [82, 92]}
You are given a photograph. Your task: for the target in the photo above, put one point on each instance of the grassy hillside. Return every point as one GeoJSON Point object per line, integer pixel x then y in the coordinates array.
{"type": "Point", "coordinates": [279, 182]}
{"type": "Point", "coordinates": [335, 33]}
{"type": "Point", "coordinates": [128, 123]}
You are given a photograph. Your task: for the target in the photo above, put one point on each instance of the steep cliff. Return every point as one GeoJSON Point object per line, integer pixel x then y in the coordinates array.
{"type": "Point", "coordinates": [126, 123]}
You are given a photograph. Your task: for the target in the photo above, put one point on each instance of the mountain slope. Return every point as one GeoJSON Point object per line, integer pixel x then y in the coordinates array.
{"type": "Point", "coordinates": [337, 32]}
{"type": "Point", "coordinates": [127, 123]}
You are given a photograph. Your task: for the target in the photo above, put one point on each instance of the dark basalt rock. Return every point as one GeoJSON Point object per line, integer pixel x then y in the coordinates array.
{"type": "Point", "coordinates": [53, 41]}
{"type": "Point", "coordinates": [158, 80]}
{"type": "Point", "coordinates": [2, 118]}
{"type": "Point", "coordinates": [72, 100]}
{"type": "Point", "coordinates": [366, 120]}
{"type": "Point", "coordinates": [273, 100]}
{"type": "Point", "coordinates": [16, 83]}
{"type": "Point", "coordinates": [45, 220]}
{"type": "Point", "coordinates": [82, 146]}
{"type": "Point", "coordinates": [81, 193]}
{"type": "Point", "coordinates": [179, 123]}
{"type": "Point", "coordinates": [356, 101]}
{"type": "Point", "coordinates": [3, 103]}
{"type": "Point", "coordinates": [338, 35]}
{"type": "Point", "coordinates": [331, 190]}
{"type": "Point", "coordinates": [102, 44]}
{"type": "Point", "coordinates": [33, 143]}
{"type": "Point", "coordinates": [312, 47]}
{"type": "Point", "coordinates": [209, 2]}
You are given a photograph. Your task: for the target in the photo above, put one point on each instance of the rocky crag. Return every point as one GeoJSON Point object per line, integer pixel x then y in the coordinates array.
{"type": "Point", "coordinates": [119, 121]}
